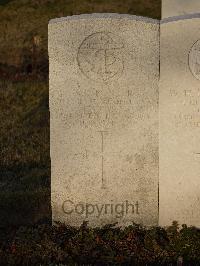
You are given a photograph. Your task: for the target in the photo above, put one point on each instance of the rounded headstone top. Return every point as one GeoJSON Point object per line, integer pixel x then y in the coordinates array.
{"type": "Point", "coordinates": [174, 8]}
{"type": "Point", "coordinates": [181, 17]}
{"type": "Point", "coordinates": [105, 16]}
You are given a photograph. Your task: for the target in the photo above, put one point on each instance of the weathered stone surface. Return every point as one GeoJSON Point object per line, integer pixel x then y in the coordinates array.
{"type": "Point", "coordinates": [179, 103]}
{"type": "Point", "coordinates": [172, 8]}
{"type": "Point", "coordinates": [104, 72]}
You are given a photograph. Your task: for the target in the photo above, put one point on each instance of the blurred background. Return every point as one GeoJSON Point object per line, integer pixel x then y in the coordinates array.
{"type": "Point", "coordinates": [24, 114]}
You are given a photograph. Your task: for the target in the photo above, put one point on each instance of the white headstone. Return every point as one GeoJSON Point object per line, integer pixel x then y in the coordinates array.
{"type": "Point", "coordinates": [104, 72]}
{"type": "Point", "coordinates": [179, 168]}
{"type": "Point", "coordinates": [172, 8]}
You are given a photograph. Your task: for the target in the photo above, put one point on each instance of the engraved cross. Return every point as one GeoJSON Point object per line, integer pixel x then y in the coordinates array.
{"type": "Point", "coordinates": [103, 181]}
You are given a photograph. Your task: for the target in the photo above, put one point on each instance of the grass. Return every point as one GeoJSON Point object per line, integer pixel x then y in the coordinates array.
{"type": "Point", "coordinates": [24, 152]}
{"type": "Point", "coordinates": [21, 20]}
{"type": "Point", "coordinates": [4, 2]}
{"type": "Point", "coordinates": [24, 118]}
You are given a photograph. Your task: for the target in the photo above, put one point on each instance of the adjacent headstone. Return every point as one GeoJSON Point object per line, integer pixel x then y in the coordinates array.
{"type": "Point", "coordinates": [179, 168]}
{"type": "Point", "coordinates": [104, 72]}
{"type": "Point", "coordinates": [172, 8]}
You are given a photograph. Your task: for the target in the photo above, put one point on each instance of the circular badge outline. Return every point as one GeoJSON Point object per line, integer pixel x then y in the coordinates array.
{"type": "Point", "coordinates": [190, 50]}
{"type": "Point", "coordinates": [78, 61]}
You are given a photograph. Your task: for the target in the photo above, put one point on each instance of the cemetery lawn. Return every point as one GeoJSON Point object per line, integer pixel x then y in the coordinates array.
{"type": "Point", "coordinates": [22, 20]}
{"type": "Point", "coordinates": [24, 152]}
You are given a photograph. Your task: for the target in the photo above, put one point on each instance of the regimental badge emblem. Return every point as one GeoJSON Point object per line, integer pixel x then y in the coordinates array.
{"type": "Point", "coordinates": [100, 56]}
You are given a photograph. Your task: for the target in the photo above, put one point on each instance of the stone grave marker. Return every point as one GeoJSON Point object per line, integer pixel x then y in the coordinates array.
{"type": "Point", "coordinates": [104, 73]}
{"type": "Point", "coordinates": [179, 167]}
